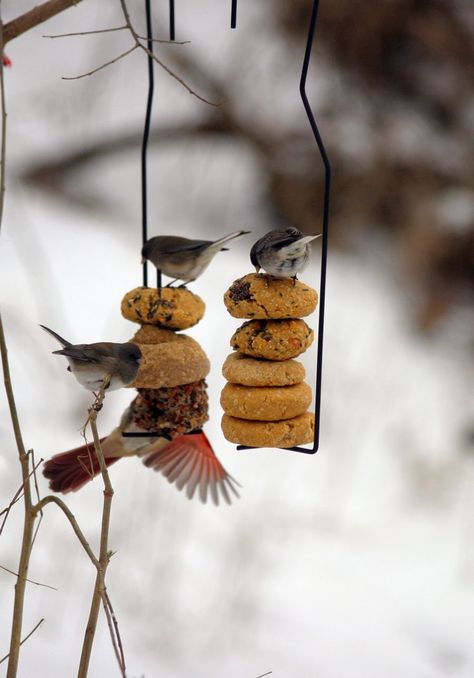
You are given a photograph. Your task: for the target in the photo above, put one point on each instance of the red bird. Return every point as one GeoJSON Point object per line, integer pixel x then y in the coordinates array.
{"type": "Point", "coordinates": [188, 461]}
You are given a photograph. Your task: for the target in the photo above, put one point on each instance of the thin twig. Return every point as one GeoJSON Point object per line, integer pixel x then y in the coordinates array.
{"type": "Point", "coordinates": [113, 630]}
{"type": "Point", "coordinates": [25, 638]}
{"type": "Point", "coordinates": [3, 124]}
{"type": "Point", "coordinates": [35, 479]}
{"type": "Point", "coordinates": [151, 54]}
{"type": "Point", "coordinates": [30, 581]}
{"type": "Point", "coordinates": [166, 42]}
{"type": "Point", "coordinates": [99, 30]}
{"type": "Point", "coordinates": [113, 30]}
{"type": "Point", "coordinates": [176, 77]}
{"type": "Point", "coordinates": [104, 555]}
{"type": "Point", "coordinates": [117, 631]}
{"type": "Point", "coordinates": [17, 496]}
{"type": "Point", "coordinates": [52, 499]}
{"type": "Point", "coordinates": [33, 473]}
{"type": "Point", "coordinates": [99, 68]}
{"type": "Point", "coordinates": [28, 520]}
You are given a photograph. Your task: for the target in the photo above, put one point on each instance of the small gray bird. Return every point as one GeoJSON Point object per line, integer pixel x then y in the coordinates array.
{"type": "Point", "coordinates": [91, 363]}
{"type": "Point", "coordinates": [282, 254]}
{"type": "Point", "coordinates": [183, 258]}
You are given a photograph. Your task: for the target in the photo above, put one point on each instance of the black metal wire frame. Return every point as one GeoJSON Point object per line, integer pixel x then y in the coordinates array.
{"type": "Point", "coordinates": [324, 247]}
{"type": "Point", "coordinates": [233, 14]}
{"type": "Point", "coordinates": [146, 134]}
{"type": "Point", "coordinates": [172, 22]}
{"type": "Point", "coordinates": [327, 191]}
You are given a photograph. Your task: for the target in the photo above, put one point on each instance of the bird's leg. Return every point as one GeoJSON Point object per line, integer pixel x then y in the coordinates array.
{"type": "Point", "coordinates": [173, 281]}
{"type": "Point", "coordinates": [98, 402]}
{"type": "Point", "coordinates": [99, 398]}
{"type": "Point", "coordinates": [183, 285]}
{"type": "Point", "coordinates": [294, 278]}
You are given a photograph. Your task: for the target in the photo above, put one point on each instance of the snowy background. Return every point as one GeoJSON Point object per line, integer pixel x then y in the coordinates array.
{"type": "Point", "coordinates": [356, 562]}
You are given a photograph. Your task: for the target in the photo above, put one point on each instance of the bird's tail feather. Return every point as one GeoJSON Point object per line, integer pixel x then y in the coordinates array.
{"type": "Point", "coordinates": [58, 337]}
{"type": "Point", "coordinates": [308, 238]}
{"type": "Point", "coordinates": [69, 471]}
{"type": "Point", "coordinates": [227, 238]}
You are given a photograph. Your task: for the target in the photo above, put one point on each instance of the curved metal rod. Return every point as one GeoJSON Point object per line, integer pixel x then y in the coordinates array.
{"type": "Point", "coordinates": [172, 22]}
{"type": "Point", "coordinates": [324, 247]}
{"type": "Point", "coordinates": [233, 14]}
{"type": "Point", "coordinates": [146, 134]}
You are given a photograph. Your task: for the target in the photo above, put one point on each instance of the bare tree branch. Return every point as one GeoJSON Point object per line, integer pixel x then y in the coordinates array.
{"type": "Point", "coordinates": [25, 638]}
{"type": "Point", "coordinates": [99, 30]}
{"type": "Point", "coordinates": [3, 124]}
{"type": "Point", "coordinates": [52, 499]}
{"type": "Point", "coordinates": [104, 554]}
{"type": "Point", "coordinates": [114, 631]}
{"type": "Point", "coordinates": [17, 496]}
{"type": "Point", "coordinates": [34, 17]}
{"type": "Point", "coordinates": [30, 581]}
{"type": "Point", "coordinates": [113, 30]}
{"type": "Point", "coordinates": [99, 68]}
{"type": "Point", "coordinates": [160, 63]}
{"type": "Point", "coordinates": [28, 520]}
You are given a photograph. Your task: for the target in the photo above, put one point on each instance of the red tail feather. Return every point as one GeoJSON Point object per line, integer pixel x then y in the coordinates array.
{"type": "Point", "coordinates": [69, 471]}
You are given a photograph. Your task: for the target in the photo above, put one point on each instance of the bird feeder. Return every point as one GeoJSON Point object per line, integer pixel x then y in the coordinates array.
{"type": "Point", "coordinates": [293, 396]}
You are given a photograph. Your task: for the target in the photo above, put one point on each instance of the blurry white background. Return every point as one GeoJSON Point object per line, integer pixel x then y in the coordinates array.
{"type": "Point", "coordinates": [358, 561]}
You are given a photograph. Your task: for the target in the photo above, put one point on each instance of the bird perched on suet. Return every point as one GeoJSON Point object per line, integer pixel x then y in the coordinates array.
{"type": "Point", "coordinates": [182, 258]}
{"type": "Point", "coordinates": [282, 254]}
{"type": "Point", "coordinates": [91, 364]}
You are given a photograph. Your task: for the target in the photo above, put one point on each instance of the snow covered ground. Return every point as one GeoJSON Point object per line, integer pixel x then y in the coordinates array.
{"type": "Point", "coordinates": [357, 562]}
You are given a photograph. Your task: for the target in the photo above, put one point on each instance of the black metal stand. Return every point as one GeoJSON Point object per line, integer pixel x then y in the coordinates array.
{"type": "Point", "coordinates": [324, 248]}
{"type": "Point", "coordinates": [327, 190]}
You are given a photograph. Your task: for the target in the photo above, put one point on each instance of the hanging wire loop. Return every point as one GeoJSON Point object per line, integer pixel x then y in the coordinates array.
{"type": "Point", "coordinates": [172, 21]}
{"type": "Point", "coordinates": [325, 228]}
{"type": "Point", "coordinates": [146, 134]}
{"type": "Point", "coordinates": [233, 14]}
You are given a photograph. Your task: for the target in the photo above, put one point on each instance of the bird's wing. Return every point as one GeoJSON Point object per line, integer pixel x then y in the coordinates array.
{"type": "Point", "coordinates": [190, 462]}
{"type": "Point", "coordinates": [75, 353]}
{"type": "Point", "coordinates": [253, 256]}
{"type": "Point", "coordinates": [186, 246]}
{"type": "Point", "coordinates": [90, 353]}
{"type": "Point", "coordinates": [284, 239]}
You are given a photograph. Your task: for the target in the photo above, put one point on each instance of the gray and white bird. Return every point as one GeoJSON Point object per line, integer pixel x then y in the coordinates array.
{"type": "Point", "coordinates": [92, 363]}
{"type": "Point", "coordinates": [282, 254]}
{"type": "Point", "coordinates": [182, 258]}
